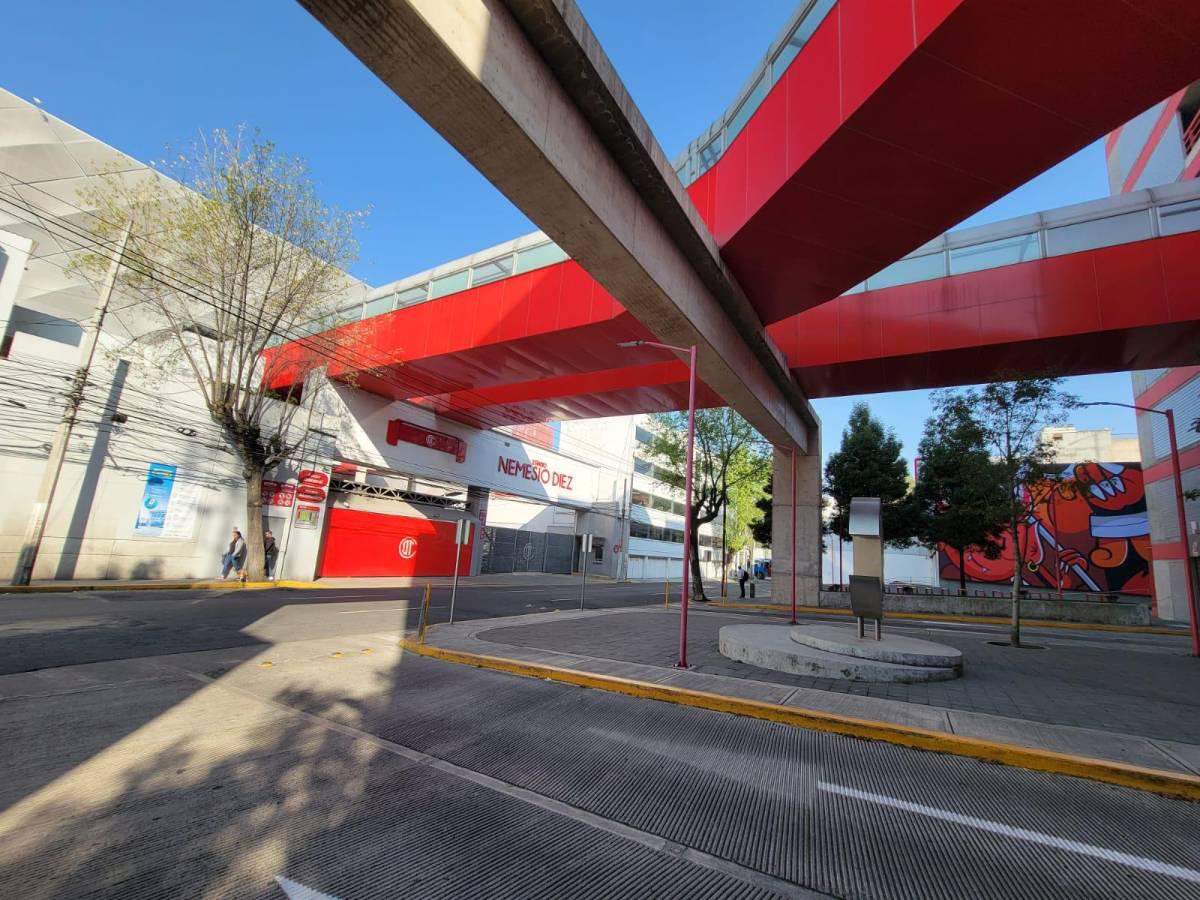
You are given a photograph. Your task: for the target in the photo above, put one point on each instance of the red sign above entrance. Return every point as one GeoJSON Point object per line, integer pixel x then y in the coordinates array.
{"type": "Point", "coordinates": [314, 478]}
{"type": "Point", "coordinates": [401, 431]}
{"type": "Point", "coordinates": [310, 494]}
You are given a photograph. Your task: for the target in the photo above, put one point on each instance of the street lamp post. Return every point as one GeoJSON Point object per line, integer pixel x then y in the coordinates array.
{"type": "Point", "coordinates": [687, 488]}
{"type": "Point", "coordinates": [1179, 508]}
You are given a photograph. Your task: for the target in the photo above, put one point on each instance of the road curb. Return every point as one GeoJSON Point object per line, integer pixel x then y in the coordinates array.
{"type": "Point", "coordinates": [971, 620]}
{"type": "Point", "coordinates": [157, 586]}
{"type": "Point", "coordinates": [1170, 784]}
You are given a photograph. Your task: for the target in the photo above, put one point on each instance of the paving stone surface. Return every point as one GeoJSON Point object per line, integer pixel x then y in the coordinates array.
{"type": "Point", "coordinates": [1132, 684]}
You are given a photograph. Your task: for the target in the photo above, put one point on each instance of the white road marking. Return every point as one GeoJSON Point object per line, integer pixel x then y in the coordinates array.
{"type": "Point", "coordinates": [1023, 834]}
{"type": "Point", "coordinates": [296, 891]}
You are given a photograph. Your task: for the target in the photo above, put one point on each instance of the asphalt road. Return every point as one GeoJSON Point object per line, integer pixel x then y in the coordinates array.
{"type": "Point", "coordinates": [279, 744]}
{"type": "Point", "coordinates": [49, 630]}
{"type": "Point", "coordinates": [363, 772]}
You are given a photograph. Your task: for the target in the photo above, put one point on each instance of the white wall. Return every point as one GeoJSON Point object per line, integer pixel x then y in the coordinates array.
{"type": "Point", "coordinates": [912, 565]}
{"type": "Point", "coordinates": [91, 529]}
{"type": "Point", "coordinates": [362, 422]}
{"type": "Point", "coordinates": [529, 515]}
{"type": "Point", "coordinates": [14, 255]}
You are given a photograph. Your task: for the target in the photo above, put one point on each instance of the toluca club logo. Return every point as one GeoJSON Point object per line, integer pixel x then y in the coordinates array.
{"type": "Point", "coordinates": [408, 548]}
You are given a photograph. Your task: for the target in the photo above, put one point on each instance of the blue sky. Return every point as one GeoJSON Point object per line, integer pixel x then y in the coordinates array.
{"type": "Point", "coordinates": [154, 74]}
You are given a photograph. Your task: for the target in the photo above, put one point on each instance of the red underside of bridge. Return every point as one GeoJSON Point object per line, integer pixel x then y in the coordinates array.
{"type": "Point", "coordinates": [1125, 307]}
{"type": "Point", "coordinates": [1131, 306]}
{"type": "Point", "coordinates": [898, 119]}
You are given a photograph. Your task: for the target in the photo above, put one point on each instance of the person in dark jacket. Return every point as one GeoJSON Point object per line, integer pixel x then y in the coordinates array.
{"type": "Point", "coordinates": [270, 554]}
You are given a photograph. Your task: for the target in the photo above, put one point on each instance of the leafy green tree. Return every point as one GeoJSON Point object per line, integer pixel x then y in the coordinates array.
{"type": "Point", "coordinates": [961, 494]}
{"type": "Point", "coordinates": [1012, 415]}
{"type": "Point", "coordinates": [869, 464]}
{"type": "Point", "coordinates": [729, 458]}
{"type": "Point", "coordinates": [760, 529]}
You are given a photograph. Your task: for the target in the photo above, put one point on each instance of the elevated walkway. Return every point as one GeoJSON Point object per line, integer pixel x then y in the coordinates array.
{"type": "Point", "coordinates": [1102, 286]}
{"type": "Point", "coordinates": [815, 179]}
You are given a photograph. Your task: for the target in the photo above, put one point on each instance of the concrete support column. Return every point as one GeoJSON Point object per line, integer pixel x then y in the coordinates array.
{"type": "Point", "coordinates": [477, 504]}
{"type": "Point", "coordinates": [807, 539]}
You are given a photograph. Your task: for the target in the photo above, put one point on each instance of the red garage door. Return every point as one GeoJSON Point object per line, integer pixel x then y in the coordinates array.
{"type": "Point", "coordinates": [366, 543]}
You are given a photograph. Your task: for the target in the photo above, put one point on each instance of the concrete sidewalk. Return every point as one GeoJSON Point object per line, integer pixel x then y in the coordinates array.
{"type": "Point", "coordinates": [1074, 697]}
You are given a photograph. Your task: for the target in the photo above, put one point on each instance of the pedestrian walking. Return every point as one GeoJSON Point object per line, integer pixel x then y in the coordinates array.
{"type": "Point", "coordinates": [743, 577]}
{"type": "Point", "coordinates": [270, 554]}
{"type": "Point", "coordinates": [234, 558]}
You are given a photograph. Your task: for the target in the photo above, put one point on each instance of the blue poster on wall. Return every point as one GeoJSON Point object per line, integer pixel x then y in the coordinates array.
{"type": "Point", "coordinates": [156, 498]}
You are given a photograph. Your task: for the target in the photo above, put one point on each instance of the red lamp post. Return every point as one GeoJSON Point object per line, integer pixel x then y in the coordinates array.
{"type": "Point", "coordinates": [687, 519]}
{"type": "Point", "coordinates": [1179, 508]}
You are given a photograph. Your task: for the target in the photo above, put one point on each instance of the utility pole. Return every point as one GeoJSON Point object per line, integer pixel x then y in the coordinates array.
{"type": "Point", "coordinates": [62, 436]}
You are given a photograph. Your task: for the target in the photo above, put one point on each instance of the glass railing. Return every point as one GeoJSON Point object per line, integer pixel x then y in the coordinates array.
{"type": "Point", "coordinates": [1157, 212]}
{"type": "Point", "coordinates": [409, 292]}
{"type": "Point", "coordinates": [703, 153]}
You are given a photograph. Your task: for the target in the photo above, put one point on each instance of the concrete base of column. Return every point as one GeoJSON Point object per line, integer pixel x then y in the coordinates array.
{"type": "Point", "coordinates": [807, 539]}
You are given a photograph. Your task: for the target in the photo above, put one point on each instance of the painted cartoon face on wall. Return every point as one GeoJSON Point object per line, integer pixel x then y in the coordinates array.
{"type": "Point", "coordinates": [1089, 533]}
{"type": "Point", "coordinates": [1110, 486]}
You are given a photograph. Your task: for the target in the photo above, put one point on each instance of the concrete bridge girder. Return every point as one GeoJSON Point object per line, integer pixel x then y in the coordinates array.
{"type": "Point", "coordinates": [524, 92]}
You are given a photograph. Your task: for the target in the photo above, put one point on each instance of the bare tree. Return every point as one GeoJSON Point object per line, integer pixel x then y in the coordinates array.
{"type": "Point", "coordinates": [229, 255]}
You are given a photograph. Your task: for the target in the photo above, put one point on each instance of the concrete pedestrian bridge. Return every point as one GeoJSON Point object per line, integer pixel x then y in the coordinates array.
{"type": "Point", "coordinates": [835, 651]}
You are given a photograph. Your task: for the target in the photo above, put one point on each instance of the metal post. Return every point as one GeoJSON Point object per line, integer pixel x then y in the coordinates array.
{"type": "Point", "coordinates": [1057, 546]}
{"type": "Point", "coordinates": [585, 549]}
{"type": "Point", "coordinates": [687, 521]}
{"type": "Point", "coordinates": [1183, 535]}
{"type": "Point", "coordinates": [666, 594]}
{"type": "Point", "coordinates": [424, 621]}
{"type": "Point", "coordinates": [460, 538]}
{"type": "Point", "coordinates": [36, 527]}
{"type": "Point", "coordinates": [793, 622]}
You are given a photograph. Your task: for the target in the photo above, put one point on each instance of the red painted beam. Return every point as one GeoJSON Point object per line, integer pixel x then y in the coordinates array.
{"type": "Point", "coordinates": [548, 322]}
{"type": "Point", "coordinates": [596, 401]}
{"type": "Point", "coordinates": [1124, 307]}
{"type": "Point", "coordinates": [1117, 308]}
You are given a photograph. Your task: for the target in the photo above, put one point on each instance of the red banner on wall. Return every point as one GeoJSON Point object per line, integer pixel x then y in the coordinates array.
{"type": "Point", "coordinates": [366, 543]}
{"type": "Point", "coordinates": [277, 493]}
{"type": "Point", "coordinates": [399, 430]}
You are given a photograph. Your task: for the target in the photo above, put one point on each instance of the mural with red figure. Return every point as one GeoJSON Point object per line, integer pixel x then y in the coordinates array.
{"type": "Point", "coordinates": [1089, 532]}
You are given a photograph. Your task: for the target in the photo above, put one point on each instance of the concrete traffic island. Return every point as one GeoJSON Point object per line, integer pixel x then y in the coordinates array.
{"type": "Point", "coordinates": [833, 651]}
